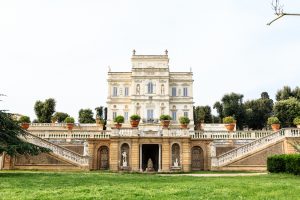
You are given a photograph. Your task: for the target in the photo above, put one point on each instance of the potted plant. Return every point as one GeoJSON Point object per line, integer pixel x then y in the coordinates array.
{"type": "Point", "coordinates": [24, 120]}
{"type": "Point", "coordinates": [184, 121]}
{"type": "Point", "coordinates": [165, 120]}
{"type": "Point", "coordinates": [119, 120]}
{"type": "Point", "coordinates": [297, 122]}
{"type": "Point", "coordinates": [229, 122]}
{"type": "Point", "coordinates": [274, 122]}
{"type": "Point", "coordinates": [135, 120]}
{"type": "Point", "coordinates": [70, 122]}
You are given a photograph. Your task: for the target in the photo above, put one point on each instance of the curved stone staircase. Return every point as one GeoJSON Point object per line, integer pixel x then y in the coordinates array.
{"type": "Point", "coordinates": [252, 147]}
{"type": "Point", "coordinates": [60, 152]}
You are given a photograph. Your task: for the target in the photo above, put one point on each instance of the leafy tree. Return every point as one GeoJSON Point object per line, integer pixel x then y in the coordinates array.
{"type": "Point", "coordinates": [232, 105]}
{"type": "Point", "coordinates": [296, 93]}
{"type": "Point", "coordinates": [284, 93]}
{"type": "Point", "coordinates": [86, 116]}
{"type": "Point", "coordinates": [202, 113]}
{"type": "Point", "coordinates": [287, 110]}
{"type": "Point", "coordinates": [258, 111]}
{"type": "Point", "coordinates": [60, 116]}
{"type": "Point", "coordinates": [99, 112]}
{"type": "Point", "coordinates": [44, 110]}
{"type": "Point", "coordinates": [219, 107]}
{"type": "Point", "coordinates": [11, 135]}
{"type": "Point", "coordinates": [105, 118]}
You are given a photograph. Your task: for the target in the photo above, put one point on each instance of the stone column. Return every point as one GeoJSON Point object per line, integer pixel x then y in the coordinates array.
{"type": "Point", "coordinates": [135, 155]}
{"type": "Point", "coordinates": [1, 160]}
{"type": "Point", "coordinates": [92, 154]}
{"type": "Point", "coordinates": [186, 155]}
{"type": "Point", "coordinates": [159, 158]}
{"type": "Point", "coordinates": [114, 155]}
{"type": "Point", "coordinates": [141, 158]}
{"type": "Point", "coordinates": [166, 155]}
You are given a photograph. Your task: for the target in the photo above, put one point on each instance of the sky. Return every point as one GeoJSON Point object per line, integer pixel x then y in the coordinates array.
{"type": "Point", "coordinates": [62, 49]}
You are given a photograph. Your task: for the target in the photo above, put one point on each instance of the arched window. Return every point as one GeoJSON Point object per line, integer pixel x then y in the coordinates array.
{"type": "Point", "coordinates": [175, 155]}
{"type": "Point", "coordinates": [150, 88]}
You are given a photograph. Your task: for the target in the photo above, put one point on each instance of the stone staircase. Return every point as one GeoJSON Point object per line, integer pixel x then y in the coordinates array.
{"type": "Point", "coordinates": [252, 147]}
{"type": "Point", "coordinates": [60, 152]}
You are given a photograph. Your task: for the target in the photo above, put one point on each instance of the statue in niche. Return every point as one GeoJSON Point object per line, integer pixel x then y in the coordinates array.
{"type": "Point", "coordinates": [138, 89]}
{"type": "Point", "coordinates": [176, 163]}
{"type": "Point", "coordinates": [162, 89]}
{"type": "Point", "coordinates": [149, 165]}
{"type": "Point", "coordinates": [124, 159]}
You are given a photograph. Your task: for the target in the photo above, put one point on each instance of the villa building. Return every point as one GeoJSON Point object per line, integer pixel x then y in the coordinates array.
{"type": "Point", "coordinates": [150, 89]}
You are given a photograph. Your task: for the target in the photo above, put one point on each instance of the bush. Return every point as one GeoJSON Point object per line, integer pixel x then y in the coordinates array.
{"type": "Point", "coordinates": [24, 119]}
{"type": "Point", "coordinates": [276, 163]}
{"type": "Point", "coordinates": [228, 120]}
{"type": "Point", "coordinates": [69, 120]}
{"type": "Point", "coordinates": [289, 163]}
{"type": "Point", "coordinates": [273, 120]}
{"type": "Point", "coordinates": [165, 117]}
{"type": "Point", "coordinates": [297, 121]}
{"type": "Point", "coordinates": [119, 119]}
{"type": "Point", "coordinates": [135, 117]}
{"type": "Point", "coordinates": [184, 120]}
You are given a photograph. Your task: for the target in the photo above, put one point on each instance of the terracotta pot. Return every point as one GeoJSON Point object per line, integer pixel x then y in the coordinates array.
{"type": "Point", "coordinates": [275, 127]}
{"type": "Point", "coordinates": [25, 126]}
{"type": "Point", "coordinates": [134, 123]}
{"type": "Point", "coordinates": [183, 126]}
{"type": "Point", "coordinates": [70, 126]}
{"type": "Point", "coordinates": [118, 126]}
{"type": "Point", "coordinates": [165, 123]}
{"type": "Point", "coordinates": [298, 126]}
{"type": "Point", "coordinates": [230, 127]}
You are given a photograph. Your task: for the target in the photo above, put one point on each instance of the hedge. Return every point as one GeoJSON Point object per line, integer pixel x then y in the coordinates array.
{"type": "Point", "coordinates": [285, 163]}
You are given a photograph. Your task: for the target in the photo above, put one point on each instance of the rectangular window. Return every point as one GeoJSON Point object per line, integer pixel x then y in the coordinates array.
{"type": "Point", "coordinates": [149, 115]}
{"type": "Point", "coordinates": [126, 116]}
{"type": "Point", "coordinates": [115, 91]}
{"type": "Point", "coordinates": [185, 92]}
{"type": "Point", "coordinates": [174, 115]}
{"type": "Point", "coordinates": [186, 114]}
{"type": "Point", "coordinates": [150, 88]}
{"type": "Point", "coordinates": [114, 115]}
{"type": "Point", "coordinates": [126, 93]}
{"type": "Point", "coordinates": [174, 92]}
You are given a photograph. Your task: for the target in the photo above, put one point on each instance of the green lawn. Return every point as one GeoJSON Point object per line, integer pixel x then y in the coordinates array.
{"type": "Point", "coordinates": [96, 185]}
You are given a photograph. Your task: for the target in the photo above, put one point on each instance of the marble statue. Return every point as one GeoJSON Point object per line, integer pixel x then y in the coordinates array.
{"type": "Point", "coordinates": [162, 89]}
{"type": "Point", "coordinates": [138, 89]}
{"type": "Point", "coordinates": [149, 165]}
{"type": "Point", "coordinates": [85, 148]}
{"type": "Point", "coordinates": [176, 163]}
{"type": "Point", "coordinates": [124, 158]}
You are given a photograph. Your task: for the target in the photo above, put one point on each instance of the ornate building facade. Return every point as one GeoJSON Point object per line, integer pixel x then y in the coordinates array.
{"type": "Point", "coordinates": [150, 90]}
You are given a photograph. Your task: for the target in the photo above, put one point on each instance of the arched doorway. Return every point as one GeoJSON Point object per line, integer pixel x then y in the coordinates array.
{"type": "Point", "coordinates": [197, 158]}
{"type": "Point", "coordinates": [103, 158]}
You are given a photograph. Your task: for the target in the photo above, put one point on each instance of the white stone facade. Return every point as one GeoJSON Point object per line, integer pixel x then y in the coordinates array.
{"type": "Point", "coordinates": [150, 90]}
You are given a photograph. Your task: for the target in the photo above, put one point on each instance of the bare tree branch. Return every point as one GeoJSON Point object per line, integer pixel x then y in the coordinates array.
{"type": "Point", "coordinates": [278, 8]}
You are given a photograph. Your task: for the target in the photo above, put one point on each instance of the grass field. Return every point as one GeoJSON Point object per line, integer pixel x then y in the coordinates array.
{"type": "Point", "coordinates": [96, 185]}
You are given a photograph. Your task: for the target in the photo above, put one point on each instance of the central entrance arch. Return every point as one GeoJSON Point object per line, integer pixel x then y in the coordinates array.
{"type": "Point", "coordinates": [150, 151]}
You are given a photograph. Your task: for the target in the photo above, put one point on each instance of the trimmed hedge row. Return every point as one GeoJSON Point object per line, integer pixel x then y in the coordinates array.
{"type": "Point", "coordinates": [285, 163]}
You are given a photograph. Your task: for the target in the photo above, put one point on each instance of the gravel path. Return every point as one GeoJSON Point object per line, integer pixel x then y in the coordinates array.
{"type": "Point", "coordinates": [217, 175]}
